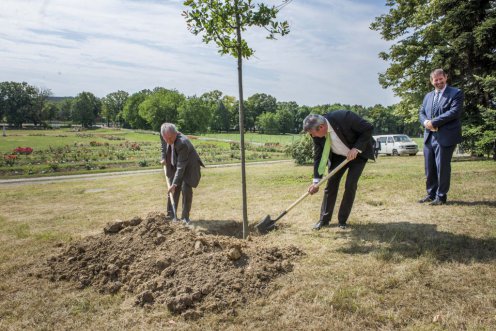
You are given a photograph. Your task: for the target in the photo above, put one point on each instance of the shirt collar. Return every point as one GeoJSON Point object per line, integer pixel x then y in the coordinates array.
{"type": "Point", "coordinates": [442, 91]}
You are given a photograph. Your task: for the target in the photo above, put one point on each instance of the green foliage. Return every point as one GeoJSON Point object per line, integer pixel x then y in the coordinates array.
{"type": "Point", "coordinates": [85, 109]}
{"type": "Point", "coordinates": [301, 151]}
{"type": "Point", "coordinates": [194, 115]}
{"type": "Point", "coordinates": [268, 123]}
{"type": "Point", "coordinates": [130, 113]}
{"type": "Point", "coordinates": [456, 35]}
{"type": "Point", "coordinates": [257, 105]}
{"type": "Point", "coordinates": [285, 117]}
{"type": "Point", "coordinates": [113, 106]}
{"type": "Point", "coordinates": [480, 138]}
{"type": "Point", "coordinates": [221, 21]}
{"type": "Point", "coordinates": [21, 103]}
{"type": "Point", "coordinates": [160, 106]}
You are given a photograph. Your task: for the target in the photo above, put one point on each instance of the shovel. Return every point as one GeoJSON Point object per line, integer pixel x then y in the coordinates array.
{"type": "Point", "coordinates": [170, 195]}
{"type": "Point", "coordinates": [267, 224]}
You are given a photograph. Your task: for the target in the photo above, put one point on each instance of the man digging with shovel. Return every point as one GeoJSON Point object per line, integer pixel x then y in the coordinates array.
{"type": "Point", "coordinates": [338, 136]}
{"type": "Point", "coordinates": [182, 165]}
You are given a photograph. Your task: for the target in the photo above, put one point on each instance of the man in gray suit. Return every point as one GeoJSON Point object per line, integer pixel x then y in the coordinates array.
{"type": "Point", "coordinates": [183, 167]}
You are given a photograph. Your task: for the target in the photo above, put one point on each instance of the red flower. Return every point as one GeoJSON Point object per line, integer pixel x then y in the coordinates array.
{"type": "Point", "coordinates": [23, 150]}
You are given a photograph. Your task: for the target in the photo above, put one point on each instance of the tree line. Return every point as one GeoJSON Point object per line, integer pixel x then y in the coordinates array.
{"type": "Point", "coordinates": [147, 109]}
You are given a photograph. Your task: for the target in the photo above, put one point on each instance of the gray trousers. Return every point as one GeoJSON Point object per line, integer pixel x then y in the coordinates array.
{"type": "Point", "coordinates": [187, 200]}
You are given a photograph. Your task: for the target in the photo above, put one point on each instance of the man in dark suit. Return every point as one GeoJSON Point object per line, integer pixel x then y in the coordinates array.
{"type": "Point", "coordinates": [182, 166]}
{"type": "Point", "coordinates": [440, 114]}
{"type": "Point", "coordinates": [347, 136]}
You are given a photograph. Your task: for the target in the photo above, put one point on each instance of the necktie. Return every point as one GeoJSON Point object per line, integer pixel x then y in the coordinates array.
{"type": "Point", "coordinates": [168, 157]}
{"type": "Point", "coordinates": [325, 155]}
{"type": "Point", "coordinates": [435, 106]}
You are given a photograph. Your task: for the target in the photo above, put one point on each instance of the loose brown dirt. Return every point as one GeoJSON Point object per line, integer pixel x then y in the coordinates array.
{"type": "Point", "coordinates": [160, 262]}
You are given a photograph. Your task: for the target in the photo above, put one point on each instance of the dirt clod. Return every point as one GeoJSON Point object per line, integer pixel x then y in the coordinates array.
{"type": "Point", "coordinates": [160, 262]}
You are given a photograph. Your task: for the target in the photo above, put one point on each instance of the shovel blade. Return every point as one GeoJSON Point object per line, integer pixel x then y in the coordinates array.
{"type": "Point", "coordinates": [266, 225]}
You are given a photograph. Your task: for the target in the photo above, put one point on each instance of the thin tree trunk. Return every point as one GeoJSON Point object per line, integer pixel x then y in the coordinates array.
{"type": "Point", "coordinates": [242, 126]}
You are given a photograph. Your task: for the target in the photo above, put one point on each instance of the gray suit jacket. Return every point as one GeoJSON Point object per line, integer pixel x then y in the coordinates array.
{"type": "Point", "coordinates": [186, 161]}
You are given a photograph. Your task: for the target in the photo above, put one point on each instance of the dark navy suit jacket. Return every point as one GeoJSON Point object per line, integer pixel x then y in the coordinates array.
{"type": "Point", "coordinates": [352, 130]}
{"type": "Point", "coordinates": [447, 120]}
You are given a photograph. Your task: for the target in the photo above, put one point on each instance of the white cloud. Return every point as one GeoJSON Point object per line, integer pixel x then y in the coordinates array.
{"type": "Point", "coordinates": [103, 46]}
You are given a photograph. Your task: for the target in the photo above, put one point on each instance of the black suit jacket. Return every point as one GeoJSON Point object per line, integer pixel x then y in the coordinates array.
{"type": "Point", "coordinates": [353, 131]}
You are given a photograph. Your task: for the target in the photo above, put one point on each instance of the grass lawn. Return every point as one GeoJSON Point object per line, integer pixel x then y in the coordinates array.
{"type": "Point", "coordinates": [400, 265]}
{"type": "Point", "coordinates": [284, 139]}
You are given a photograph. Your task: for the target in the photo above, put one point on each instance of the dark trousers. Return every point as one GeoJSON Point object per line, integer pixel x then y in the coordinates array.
{"type": "Point", "coordinates": [437, 167]}
{"type": "Point", "coordinates": [355, 169]}
{"type": "Point", "coordinates": [187, 200]}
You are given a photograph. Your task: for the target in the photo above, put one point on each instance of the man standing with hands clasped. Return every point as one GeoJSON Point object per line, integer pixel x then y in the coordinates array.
{"type": "Point", "coordinates": [440, 114]}
{"type": "Point", "coordinates": [183, 168]}
{"type": "Point", "coordinates": [337, 136]}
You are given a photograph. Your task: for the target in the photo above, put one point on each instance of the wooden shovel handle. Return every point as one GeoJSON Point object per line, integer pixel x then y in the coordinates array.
{"type": "Point", "coordinates": [329, 175]}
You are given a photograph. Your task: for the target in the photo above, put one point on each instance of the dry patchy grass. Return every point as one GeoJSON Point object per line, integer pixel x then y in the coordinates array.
{"type": "Point", "coordinates": [400, 265]}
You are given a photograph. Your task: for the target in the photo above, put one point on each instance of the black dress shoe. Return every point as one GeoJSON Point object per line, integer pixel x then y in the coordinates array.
{"type": "Point", "coordinates": [320, 224]}
{"type": "Point", "coordinates": [437, 202]}
{"type": "Point", "coordinates": [342, 226]}
{"type": "Point", "coordinates": [427, 198]}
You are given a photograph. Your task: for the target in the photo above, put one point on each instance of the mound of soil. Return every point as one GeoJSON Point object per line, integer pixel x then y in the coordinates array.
{"type": "Point", "coordinates": [164, 262]}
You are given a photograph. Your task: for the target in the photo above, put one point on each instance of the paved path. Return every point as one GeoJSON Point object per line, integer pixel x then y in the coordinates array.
{"type": "Point", "coordinates": [66, 178]}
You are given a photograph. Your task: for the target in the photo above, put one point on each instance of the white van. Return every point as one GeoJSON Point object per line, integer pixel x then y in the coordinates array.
{"type": "Point", "coordinates": [396, 144]}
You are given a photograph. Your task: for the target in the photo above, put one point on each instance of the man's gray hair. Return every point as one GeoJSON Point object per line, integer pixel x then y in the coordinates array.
{"type": "Point", "coordinates": [437, 72]}
{"type": "Point", "coordinates": [313, 121]}
{"type": "Point", "coordinates": [167, 128]}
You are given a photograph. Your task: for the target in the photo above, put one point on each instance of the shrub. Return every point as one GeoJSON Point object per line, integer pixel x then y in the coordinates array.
{"type": "Point", "coordinates": [10, 159]}
{"type": "Point", "coordinates": [301, 151]}
{"type": "Point", "coordinates": [143, 163]}
{"type": "Point", "coordinates": [135, 147]}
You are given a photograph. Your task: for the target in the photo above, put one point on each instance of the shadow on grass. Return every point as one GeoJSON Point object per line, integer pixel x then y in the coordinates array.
{"type": "Point", "coordinates": [472, 203]}
{"type": "Point", "coordinates": [409, 240]}
{"type": "Point", "coordinates": [228, 228]}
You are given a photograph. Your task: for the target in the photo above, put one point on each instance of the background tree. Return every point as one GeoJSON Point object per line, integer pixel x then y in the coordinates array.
{"type": "Point", "coordinates": [194, 115]}
{"type": "Point", "coordinates": [285, 119]}
{"type": "Point", "coordinates": [18, 102]}
{"type": "Point", "coordinates": [303, 111]}
{"type": "Point", "coordinates": [256, 105]}
{"type": "Point", "coordinates": [130, 113]}
{"type": "Point", "coordinates": [113, 106]}
{"type": "Point", "coordinates": [160, 106]}
{"type": "Point", "coordinates": [85, 109]}
{"type": "Point", "coordinates": [268, 123]}
{"type": "Point", "coordinates": [64, 113]}
{"type": "Point", "coordinates": [456, 35]}
{"type": "Point", "coordinates": [219, 115]}
{"type": "Point", "coordinates": [39, 100]}
{"type": "Point", "coordinates": [49, 112]}
{"type": "Point", "coordinates": [287, 113]}
{"type": "Point", "coordinates": [232, 107]}
{"type": "Point", "coordinates": [222, 22]}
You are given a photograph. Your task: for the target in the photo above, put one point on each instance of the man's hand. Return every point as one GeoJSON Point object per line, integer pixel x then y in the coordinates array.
{"type": "Point", "coordinates": [428, 125]}
{"type": "Point", "coordinates": [352, 154]}
{"type": "Point", "coordinates": [172, 189]}
{"type": "Point", "coordinates": [162, 162]}
{"type": "Point", "coordinates": [312, 189]}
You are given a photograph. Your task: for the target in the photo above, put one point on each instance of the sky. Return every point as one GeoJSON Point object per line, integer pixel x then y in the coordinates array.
{"type": "Point", "coordinates": [71, 46]}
